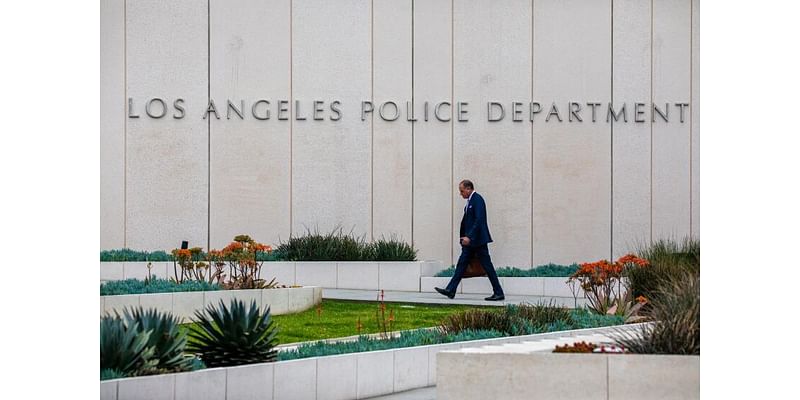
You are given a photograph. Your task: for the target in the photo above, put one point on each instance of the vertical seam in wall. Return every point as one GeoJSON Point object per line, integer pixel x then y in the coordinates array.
{"type": "Point", "coordinates": [125, 128]}
{"type": "Point", "coordinates": [452, 145]}
{"type": "Point", "coordinates": [691, 114]}
{"type": "Point", "coordinates": [412, 123]}
{"type": "Point", "coordinates": [291, 123]}
{"type": "Point", "coordinates": [533, 177]}
{"type": "Point", "coordinates": [372, 121]}
{"type": "Point", "coordinates": [357, 364]}
{"type": "Point", "coordinates": [611, 225]}
{"type": "Point", "coordinates": [652, 29]}
{"type": "Point", "coordinates": [273, 365]}
{"type": "Point", "coordinates": [608, 388]}
{"type": "Point", "coordinates": [394, 361]}
{"type": "Point", "coordinates": [208, 141]}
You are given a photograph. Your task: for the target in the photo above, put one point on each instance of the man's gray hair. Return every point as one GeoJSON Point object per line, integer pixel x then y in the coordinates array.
{"type": "Point", "coordinates": [467, 184]}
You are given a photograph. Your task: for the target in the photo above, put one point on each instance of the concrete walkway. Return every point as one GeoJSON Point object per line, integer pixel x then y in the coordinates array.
{"type": "Point", "coordinates": [426, 393]}
{"type": "Point", "coordinates": [436, 298]}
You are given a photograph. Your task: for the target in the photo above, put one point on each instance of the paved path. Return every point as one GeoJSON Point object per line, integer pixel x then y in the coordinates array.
{"type": "Point", "coordinates": [426, 393]}
{"type": "Point", "coordinates": [436, 298]}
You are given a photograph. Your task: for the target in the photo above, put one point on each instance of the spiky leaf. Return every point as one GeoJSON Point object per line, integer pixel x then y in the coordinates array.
{"type": "Point", "coordinates": [236, 335]}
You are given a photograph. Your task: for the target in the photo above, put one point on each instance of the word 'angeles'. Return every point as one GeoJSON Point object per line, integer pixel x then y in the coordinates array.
{"type": "Point", "coordinates": [442, 111]}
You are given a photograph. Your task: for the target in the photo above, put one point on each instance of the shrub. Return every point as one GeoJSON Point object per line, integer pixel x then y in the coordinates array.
{"type": "Point", "coordinates": [154, 285]}
{"type": "Point", "coordinates": [227, 336]}
{"type": "Point", "coordinates": [668, 259]}
{"type": "Point", "coordinates": [548, 270]}
{"type": "Point", "coordinates": [539, 314]}
{"type": "Point", "coordinates": [675, 310]}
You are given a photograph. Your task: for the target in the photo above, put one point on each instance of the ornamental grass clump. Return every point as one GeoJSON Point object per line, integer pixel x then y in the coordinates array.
{"type": "Point", "coordinates": [226, 336]}
{"type": "Point", "coordinates": [513, 320]}
{"type": "Point", "coordinates": [668, 259]}
{"type": "Point", "coordinates": [392, 249]}
{"type": "Point", "coordinates": [333, 246]}
{"type": "Point", "coordinates": [339, 246]}
{"type": "Point", "coordinates": [675, 311]}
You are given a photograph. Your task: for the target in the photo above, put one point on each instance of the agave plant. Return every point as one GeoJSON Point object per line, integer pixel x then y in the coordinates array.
{"type": "Point", "coordinates": [166, 339]}
{"type": "Point", "coordinates": [124, 349]}
{"type": "Point", "coordinates": [236, 335]}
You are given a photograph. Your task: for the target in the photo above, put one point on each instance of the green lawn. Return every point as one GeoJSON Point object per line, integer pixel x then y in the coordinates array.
{"type": "Point", "coordinates": [339, 318]}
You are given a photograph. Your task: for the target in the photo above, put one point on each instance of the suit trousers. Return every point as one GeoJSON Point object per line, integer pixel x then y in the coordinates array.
{"type": "Point", "coordinates": [482, 252]}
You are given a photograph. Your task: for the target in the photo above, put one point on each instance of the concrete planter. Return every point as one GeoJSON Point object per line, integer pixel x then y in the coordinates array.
{"type": "Point", "coordinates": [364, 275]}
{"type": "Point", "coordinates": [546, 375]}
{"type": "Point", "coordinates": [184, 304]}
{"type": "Point", "coordinates": [345, 376]}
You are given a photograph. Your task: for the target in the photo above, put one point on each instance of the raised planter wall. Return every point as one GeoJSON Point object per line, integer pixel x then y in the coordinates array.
{"type": "Point", "coordinates": [546, 375]}
{"type": "Point", "coordinates": [346, 376]}
{"type": "Point", "coordinates": [396, 276]}
{"type": "Point", "coordinates": [184, 304]}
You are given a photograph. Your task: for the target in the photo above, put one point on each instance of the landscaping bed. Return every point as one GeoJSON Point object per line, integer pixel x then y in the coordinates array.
{"type": "Point", "coordinates": [365, 373]}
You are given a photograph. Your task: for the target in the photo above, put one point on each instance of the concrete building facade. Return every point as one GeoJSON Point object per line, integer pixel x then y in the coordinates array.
{"type": "Point", "coordinates": [268, 117]}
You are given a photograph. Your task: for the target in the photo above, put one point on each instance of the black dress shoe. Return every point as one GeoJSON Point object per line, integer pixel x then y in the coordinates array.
{"type": "Point", "coordinates": [495, 297]}
{"type": "Point", "coordinates": [445, 292]}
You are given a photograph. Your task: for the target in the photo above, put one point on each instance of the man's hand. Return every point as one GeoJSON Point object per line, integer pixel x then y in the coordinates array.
{"type": "Point", "coordinates": [465, 241]}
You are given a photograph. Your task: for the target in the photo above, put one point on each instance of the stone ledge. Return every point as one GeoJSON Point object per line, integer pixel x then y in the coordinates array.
{"type": "Point", "coordinates": [184, 304]}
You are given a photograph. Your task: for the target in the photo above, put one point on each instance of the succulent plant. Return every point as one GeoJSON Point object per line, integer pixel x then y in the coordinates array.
{"type": "Point", "coordinates": [167, 340]}
{"type": "Point", "coordinates": [124, 348]}
{"type": "Point", "coordinates": [226, 336]}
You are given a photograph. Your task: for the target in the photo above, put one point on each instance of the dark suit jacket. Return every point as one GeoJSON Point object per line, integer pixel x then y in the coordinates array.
{"type": "Point", "coordinates": [473, 223]}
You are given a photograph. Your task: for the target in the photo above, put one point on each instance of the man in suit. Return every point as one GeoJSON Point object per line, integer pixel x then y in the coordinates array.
{"type": "Point", "coordinates": [475, 237]}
